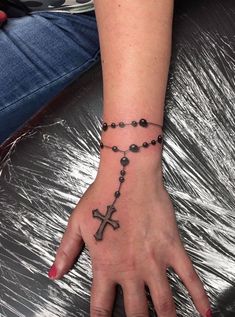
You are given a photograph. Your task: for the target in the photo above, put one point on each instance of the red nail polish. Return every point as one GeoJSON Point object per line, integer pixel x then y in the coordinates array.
{"type": "Point", "coordinates": [209, 313]}
{"type": "Point", "coordinates": [3, 16]}
{"type": "Point", "coordinates": [52, 272]}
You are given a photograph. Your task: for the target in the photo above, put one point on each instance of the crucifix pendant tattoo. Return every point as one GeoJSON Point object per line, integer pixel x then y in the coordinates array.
{"type": "Point", "coordinates": [106, 219]}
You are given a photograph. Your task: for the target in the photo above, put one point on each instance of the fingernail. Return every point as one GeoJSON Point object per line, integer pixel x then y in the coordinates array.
{"type": "Point", "coordinates": [3, 16]}
{"type": "Point", "coordinates": [209, 313]}
{"type": "Point", "coordinates": [52, 272]}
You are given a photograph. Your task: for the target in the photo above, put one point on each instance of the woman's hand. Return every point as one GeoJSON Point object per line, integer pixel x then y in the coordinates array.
{"type": "Point", "coordinates": [137, 253]}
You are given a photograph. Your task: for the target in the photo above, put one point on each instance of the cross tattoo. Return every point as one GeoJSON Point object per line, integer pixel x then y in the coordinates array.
{"type": "Point", "coordinates": [105, 219]}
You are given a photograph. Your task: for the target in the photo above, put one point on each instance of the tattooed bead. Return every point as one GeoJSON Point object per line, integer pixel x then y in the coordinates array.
{"type": "Point", "coordinates": [121, 124]}
{"type": "Point", "coordinates": [121, 179]}
{"type": "Point", "coordinates": [134, 123]}
{"type": "Point", "coordinates": [115, 148]}
{"type": "Point", "coordinates": [104, 126]}
{"type": "Point", "coordinates": [143, 123]}
{"type": "Point", "coordinates": [117, 194]}
{"type": "Point", "coordinates": [159, 139]}
{"type": "Point", "coordinates": [124, 161]}
{"type": "Point", "coordinates": [145, 144]}
{"type": "Point", "coordinates": [113, 125]}
{"type": "Point", "coordinates": [133, 148]}
{"type": "Point", "coordinates": [153, 142]}
{"type": "Point", "coordinates": [122, 172]}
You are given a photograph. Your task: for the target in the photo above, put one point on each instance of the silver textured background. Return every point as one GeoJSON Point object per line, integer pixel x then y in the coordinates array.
{"type": "Point", "coordinates": [46, 172]}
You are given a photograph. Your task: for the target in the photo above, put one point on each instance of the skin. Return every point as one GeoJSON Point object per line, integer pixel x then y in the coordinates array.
{"type": "Point", "coordinates": [135, 43]}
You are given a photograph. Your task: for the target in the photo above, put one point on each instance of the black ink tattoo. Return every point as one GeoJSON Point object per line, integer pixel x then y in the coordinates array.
{"type": "Point", "coordinates": [106, 219]}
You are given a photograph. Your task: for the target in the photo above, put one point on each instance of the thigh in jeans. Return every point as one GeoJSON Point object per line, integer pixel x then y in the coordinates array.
{"type": "Point", "coordinates": [40, 55]}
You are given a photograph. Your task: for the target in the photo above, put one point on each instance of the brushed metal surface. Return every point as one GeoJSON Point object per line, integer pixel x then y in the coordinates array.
{"type": "Point", "coordinates": [47, 170]}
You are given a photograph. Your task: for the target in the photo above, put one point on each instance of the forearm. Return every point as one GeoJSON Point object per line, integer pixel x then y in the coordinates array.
{"type": "Point", "coordinates": [135, 42]}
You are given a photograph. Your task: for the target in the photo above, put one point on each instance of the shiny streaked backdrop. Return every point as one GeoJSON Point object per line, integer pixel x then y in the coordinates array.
{"type": "Point", "coordinates": [46, 171]}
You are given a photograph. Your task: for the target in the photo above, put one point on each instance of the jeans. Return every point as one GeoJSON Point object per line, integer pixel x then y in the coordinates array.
{"type": "Point", "coordinates": [40, 55]}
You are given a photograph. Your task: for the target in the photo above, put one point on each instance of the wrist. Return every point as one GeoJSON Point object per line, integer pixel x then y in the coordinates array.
{"type": "Point", "coordinates": [146, 163]}
{"type": "Point", "coordinates": [140, 143]}
{"type": "Point", "coordinates": [145, 174]}
{"type": "Point", "coordinates": [126, 133]}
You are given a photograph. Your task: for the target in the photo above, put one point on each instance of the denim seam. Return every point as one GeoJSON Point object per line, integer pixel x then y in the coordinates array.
{"type": "Point", "coordinates": [94, 58]}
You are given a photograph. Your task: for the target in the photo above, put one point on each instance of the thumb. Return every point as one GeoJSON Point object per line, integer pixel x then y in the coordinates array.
{"type": "Point", "coordinates": [69, 249]}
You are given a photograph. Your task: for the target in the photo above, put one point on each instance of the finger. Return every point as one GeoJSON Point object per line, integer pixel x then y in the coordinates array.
{"type": "Point", "coordinates": [102, 296]}
{"type": "Point", "coordinates": [70, 247]}
{"type": "Point", "coordinates": [3, 16]}
{"type": "Point", "coordinates": [161, 294]}
{"type": "Point", "coordinates": [185, 270]}
{"type": "Point", "coordinates": [135, 300]}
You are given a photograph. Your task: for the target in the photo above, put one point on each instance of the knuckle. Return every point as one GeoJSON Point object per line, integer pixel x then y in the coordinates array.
{"type": "Point", "coordinates": [100, 312]}
{"type": "Point", "coordinates": [62, 253]}
{"type": "Point", "coordinates": [165, 307]}
{"type": "Point", "coordinates": [137, 315]}
{"type": "Point", "coordinates": [202, 296]}
{"type": "Point", "coordinates": [192, 276]}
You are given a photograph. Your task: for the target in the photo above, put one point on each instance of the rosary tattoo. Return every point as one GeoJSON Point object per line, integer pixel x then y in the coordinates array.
{"type": "Point", "coordinates": [107, 217]}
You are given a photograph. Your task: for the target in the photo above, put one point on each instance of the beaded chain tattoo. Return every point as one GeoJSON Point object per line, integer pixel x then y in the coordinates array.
{"type": "Point", "coordinates": [106, 219]}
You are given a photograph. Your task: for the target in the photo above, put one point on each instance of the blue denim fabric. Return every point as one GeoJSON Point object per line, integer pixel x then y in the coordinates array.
{"type": "Point", "coordinates": [40, 55]}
